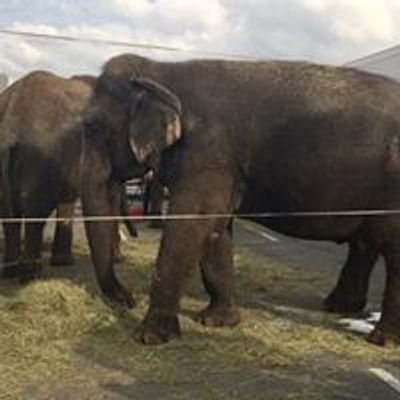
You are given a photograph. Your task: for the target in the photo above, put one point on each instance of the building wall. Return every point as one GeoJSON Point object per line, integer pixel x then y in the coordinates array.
{"type": "Point", "coordinates": [386, 62]}
{"type": "Point", "coordinates": [3, 81]}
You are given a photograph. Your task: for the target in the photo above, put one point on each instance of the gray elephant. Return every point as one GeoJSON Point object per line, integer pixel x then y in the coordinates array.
{"type": "Point", "coordinates": [37, 116]}
{"type": "Point", "coordinates": [41, 156]}
{"type": "Point", "coordinates": [279, 136]}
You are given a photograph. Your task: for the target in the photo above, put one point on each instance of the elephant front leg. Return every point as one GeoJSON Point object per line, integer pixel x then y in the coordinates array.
{"type": "Point", "coordinates": [101, 197]}
{"type": "Point", "coordinates": [350, 293]}
{"type": "Point", "coordinates": [180, 253]}
{"type": "Point", "coordinates": [218, 279]}
{"type": "Point", "coordinates": [182, 248]}
{"type": "Point", "coordinates": [61, 250]}
{"type": "Point", "coordinates": [100, 237]}
{"type": "Point", "coordinates": [117, 252]}
{"type": "Point", "coordinates": [32, 262]}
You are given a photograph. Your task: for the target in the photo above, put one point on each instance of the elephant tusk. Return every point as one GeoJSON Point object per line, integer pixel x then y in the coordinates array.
{"type": "Point", "coordinates": [136, 152]}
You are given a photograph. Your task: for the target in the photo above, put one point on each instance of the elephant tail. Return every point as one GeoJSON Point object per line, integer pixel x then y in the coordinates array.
{"type": "Point", "coordinates": [5, 183]}
{"type": "Point", "coordinates": [8, 143]}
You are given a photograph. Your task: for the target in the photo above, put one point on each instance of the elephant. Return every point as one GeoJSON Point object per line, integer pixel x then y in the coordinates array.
{"type": "Point", "coordinates": [41, 156]}
{"type": "Point", "coordinates": [251, 138]}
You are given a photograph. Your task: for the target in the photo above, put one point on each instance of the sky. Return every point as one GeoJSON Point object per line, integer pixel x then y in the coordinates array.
{"type": "Point", "coordinates": [323, 31]}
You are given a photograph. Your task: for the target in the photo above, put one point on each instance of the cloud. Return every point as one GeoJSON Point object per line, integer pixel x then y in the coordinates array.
{"type": "Point", "coordinates": [173, 15]}
{"type": "Point", "coordinates": [20, 55]}
{"type": "Point", "coordinates": [331, 31]}
{"type": "Point", "coordinates": [356, 20]}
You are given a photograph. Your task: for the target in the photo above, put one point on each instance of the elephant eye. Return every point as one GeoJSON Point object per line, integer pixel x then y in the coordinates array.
{"type": "Point", "coordinates": [140, 96]}
{"type": "Point", "coordinates": [138, 103]}
{"type": "Point", "coordinates": [93, 126]}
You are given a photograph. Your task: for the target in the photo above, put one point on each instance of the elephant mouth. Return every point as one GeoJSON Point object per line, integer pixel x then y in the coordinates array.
{"type": "Point", "coordinates": [141, 153]}
{"type": "Point", "coordinates": [145, 155]}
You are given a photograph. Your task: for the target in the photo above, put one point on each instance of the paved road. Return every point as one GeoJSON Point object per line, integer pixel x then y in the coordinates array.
{"type": "Point", "coordinates": [360, 383]}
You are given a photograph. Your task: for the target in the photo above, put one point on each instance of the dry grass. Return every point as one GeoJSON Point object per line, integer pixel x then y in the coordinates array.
{"type": "Point", "coordinates": [57, 336]}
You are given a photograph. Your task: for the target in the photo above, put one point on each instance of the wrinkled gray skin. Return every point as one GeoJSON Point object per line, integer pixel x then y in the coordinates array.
{"type": "Point", "coordinates": [41, 153]}
{"type": "Point", "coordinates": [61, 249]}
{"type": "Point", "coordinates": [257, 137]}
{"type": "Point", "coordinates": [39, 161]}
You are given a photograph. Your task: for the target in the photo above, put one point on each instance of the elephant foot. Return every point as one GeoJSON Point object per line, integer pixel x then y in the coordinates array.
{"type": "Point", "coordinates": [24, 271]}
{"type": "Point", "coordinates": [121, 296]}
{"type": "Point", "coordinates": [384, 335]}
{"type": "Point", "coordinates": [342, 304]}
{"type": "Point", "coordinates": [58, 260]}
{"type": "Point", "coordinates": [118, 257]}
{"type": "Point", "coordinates": [158, 328]}
{"type": "Point", "coordinates": [214, 316]}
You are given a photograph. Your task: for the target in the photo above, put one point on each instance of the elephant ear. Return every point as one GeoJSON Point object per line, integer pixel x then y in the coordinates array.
{"type": "Point", "coordinates": [174, 128]}
{"type": "Point", "coordinates": [174, 131]}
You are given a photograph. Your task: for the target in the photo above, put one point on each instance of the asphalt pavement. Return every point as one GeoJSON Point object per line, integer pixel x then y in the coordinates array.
{"type": "Point", "coordinates": [363, 382]}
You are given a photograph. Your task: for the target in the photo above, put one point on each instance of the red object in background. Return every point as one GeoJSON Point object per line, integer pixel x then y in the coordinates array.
{"type": "Point", "coordinates": [135, 211]}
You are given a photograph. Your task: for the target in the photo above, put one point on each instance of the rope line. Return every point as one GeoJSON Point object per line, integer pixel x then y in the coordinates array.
{"type": "Point", "coordinates": [137, 45]}
{"type": "Point", "coordinates": [109, 218]}
{"type": "Point", "coordinates": [266, 215]}
{"type": "Point", "coordinates": [363, 60]}
{"type": "Point", "coordinates": [17, 263]}
{"type": "Point", "coordinates": [9, 264]}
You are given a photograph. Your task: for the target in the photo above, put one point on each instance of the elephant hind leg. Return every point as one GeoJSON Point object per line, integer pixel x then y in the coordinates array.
{"type": "Point", "coordinates": [218, 279]}
{"type": "Point", "coordinates": [28, 265]}
{"type": "Point", "coordinates": [350, 294]}
{"type": "Point", "coordinates": [12, 242]}
{"type": "Point", "coordinates": [31, 261]}
{"type": "Point", "coordinates": [33, 240]}
{"type": "Point", "coordinates": [61, 249]}
{"type": "Point", "coordinates": [12, 249]}
{"type": "Point", "coordinates": [387, 329]}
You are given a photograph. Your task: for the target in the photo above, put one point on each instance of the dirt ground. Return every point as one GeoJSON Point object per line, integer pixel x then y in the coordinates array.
{"type": "Point", "coordinates": [59, 340]}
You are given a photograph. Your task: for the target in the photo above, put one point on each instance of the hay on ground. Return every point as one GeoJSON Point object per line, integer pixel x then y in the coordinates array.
{"type": "Point", "coordinates": [58, 333]}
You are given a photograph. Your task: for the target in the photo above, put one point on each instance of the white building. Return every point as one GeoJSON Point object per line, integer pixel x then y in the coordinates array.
{"type": "Point", "coordinates": [3, 81]}
{"type": "Point", "coordinates": [385, 62]}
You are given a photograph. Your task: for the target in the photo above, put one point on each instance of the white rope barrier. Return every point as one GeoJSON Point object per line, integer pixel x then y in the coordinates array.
{"type": "Point", "coordinates": [266, 215]}
{"type": "Point", "coordinates": [131, 44]}
{"type": "Point", "coordinates": [186, 217]}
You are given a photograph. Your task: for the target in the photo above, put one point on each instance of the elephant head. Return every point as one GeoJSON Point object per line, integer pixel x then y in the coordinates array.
{"type": "Point", "coordinates": [154, 122]}
{"type": "Point", "coordinates": [138, 118]}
